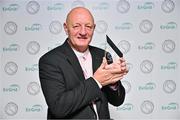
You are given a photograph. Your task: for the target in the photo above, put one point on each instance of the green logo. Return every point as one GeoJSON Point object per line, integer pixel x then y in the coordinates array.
{"type": "Point", "coordinates": [11, 48]}
{"type": "Point", "coordinates": [55, 7]}
{"type": "Point", "coordinates": [169, 26]}
{"type": "Point", "coordinates": [124, 26]}
{"type": "Point", "coordinates": [147, 86]}
{"type": "Point", "coordinates": [12, 88]}
{"type": "Point", "coordinates": [34, 108]}
{"type": "Point", "coordinates": [32, 68]}
{"type": "Point", "coordinates": [146, 6]}
{"type": "Point", "coordinates": [169, 66]}
{"type": "Point", "coordinates": [11, 7]}
{"type": "Point", "coordinates": [33, 27]}
{"type": "Point", "coordinates": [101, 6]}
{"type": "Point", "coordinates": [147, 46]}
{"type": "Point", "coordinates": [170, 106]}
{"type": "Point", "coordinates": [125, 107]}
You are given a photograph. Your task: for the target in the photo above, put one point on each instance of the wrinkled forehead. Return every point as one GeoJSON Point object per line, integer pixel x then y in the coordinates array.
{"type": "Point", "coordinates": [80, 15]}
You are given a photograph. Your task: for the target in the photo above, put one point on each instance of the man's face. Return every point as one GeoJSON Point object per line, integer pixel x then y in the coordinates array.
{"type": "Point", "coordinates": [80, 28]}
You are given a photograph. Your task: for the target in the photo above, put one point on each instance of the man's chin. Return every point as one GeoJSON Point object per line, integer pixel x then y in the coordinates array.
{"type": "Point", "coordinates": [83, 40]}
{"type": "Point", "coordinates": [82, 48]}
{"type": "Point", "coordinates": [83, 43]}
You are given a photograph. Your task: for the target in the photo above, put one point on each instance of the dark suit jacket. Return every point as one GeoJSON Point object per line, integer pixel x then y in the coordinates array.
{"type": "Point", "coordinates": [67, 93]}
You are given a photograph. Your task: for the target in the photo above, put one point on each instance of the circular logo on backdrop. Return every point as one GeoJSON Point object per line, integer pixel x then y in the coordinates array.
{"type": "Point", "coordinates": [169, 86]}
{"type": "Point", "coordinates": [55, 27]}
{"type": "Point", "coordinates": [10, 28]}
{"type": "Point", "coordinates": [33, 47]}
{"type": "Point", "coordinates": [123, 6]}
{"type": "Point", "coordinates": [146, 66]}
{"type": "Point", "coordinates": [147, 107]}
{"type": "Point", "coordinates": [32, 7]}
{"type": "Point", "coordinates": [33, 88]}
{"type": "Point", "coordinates": [168, 46]}
{"type": "Point", "coordinates": [11, 68]}
{"type": "Point", "coordinates": [101, 26]}
{"type": "Point", "coordinates": [77, 3]}
{"type": "Point", "coordinates": [127, 86]}
{"type": "Point", "coordinates": [167, 6]}
{"type": "Point", "coordinates": [124, 46]}
{"type": "Point", "coordinates": [11, 109]}
{"type": "Point", "coordinates": [146, 26]}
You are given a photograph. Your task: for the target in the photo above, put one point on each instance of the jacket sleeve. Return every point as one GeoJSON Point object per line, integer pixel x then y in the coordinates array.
{"type": "Point", "coordinates": [115, 97]}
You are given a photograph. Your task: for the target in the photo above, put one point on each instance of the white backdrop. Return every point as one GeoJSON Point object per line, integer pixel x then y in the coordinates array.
{"type": "Point", "coordinates": [146, 31]}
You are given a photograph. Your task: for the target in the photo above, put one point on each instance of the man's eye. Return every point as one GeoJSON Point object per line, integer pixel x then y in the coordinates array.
{"type": "Point", "coordinates": [90, 27]}
{"type": "Point", "coordinates": [75, 26]}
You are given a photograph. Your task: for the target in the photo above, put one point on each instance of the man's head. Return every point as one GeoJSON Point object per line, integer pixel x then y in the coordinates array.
{"type": "Point", "coordinates": [79, 27]}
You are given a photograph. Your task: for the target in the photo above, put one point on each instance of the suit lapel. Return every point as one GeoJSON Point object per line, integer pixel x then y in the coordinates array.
{"type": "Point", "coordinates": [73, 60]}
{"type": "Point", "coordinates": [95, 58]}
{"type": "Point", "coordinates": [97, 62]}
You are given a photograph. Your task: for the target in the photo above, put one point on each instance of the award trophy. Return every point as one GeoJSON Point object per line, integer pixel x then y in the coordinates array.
{"type": "Point", "coordinates": [114, 48]}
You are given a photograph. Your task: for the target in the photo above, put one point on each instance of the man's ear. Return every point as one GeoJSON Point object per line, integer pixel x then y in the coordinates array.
{"type": "Point", "coordinates": [65, 28]}
{"type": "Point", "coordinates": [94, 26]}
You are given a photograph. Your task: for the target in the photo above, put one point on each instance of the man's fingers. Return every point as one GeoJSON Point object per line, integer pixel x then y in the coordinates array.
{"type": "Point", "coordinates": [113, 79]}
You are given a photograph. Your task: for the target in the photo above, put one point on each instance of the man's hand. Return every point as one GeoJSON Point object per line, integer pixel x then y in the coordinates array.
{"type": "Point", "coordinates": [102, 75]}
{"type": "Point", "coordinates": [110, 74]}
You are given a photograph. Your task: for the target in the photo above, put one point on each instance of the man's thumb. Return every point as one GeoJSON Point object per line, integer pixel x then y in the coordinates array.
{"type": "Point", "coordinates": [104, 63]}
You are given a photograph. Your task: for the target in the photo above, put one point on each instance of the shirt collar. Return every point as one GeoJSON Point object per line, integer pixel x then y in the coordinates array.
{"type": "Point", "coordinates": [81, 54]}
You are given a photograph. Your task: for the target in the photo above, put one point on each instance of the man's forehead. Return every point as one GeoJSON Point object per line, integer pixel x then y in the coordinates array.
{"type": "Point", "coordinates": [79, 12]}
{"type": "Point", "coordinates": [78, 23]}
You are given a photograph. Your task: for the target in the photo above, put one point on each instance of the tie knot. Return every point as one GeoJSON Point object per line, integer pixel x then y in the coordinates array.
{"type": "Point", "coordinates": [84, 57]}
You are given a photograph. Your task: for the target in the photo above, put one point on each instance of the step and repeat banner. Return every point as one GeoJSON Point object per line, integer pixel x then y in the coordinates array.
{"type": "Point", "coordinates": [146, 31]}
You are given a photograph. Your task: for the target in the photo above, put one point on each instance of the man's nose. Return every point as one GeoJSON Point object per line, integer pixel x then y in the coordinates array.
{"type": "Point", "coordinates": [83, 30]}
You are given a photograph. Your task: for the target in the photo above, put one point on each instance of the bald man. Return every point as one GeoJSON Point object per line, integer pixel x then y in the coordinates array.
{"type": "Point", "coordinates": [75, 78]}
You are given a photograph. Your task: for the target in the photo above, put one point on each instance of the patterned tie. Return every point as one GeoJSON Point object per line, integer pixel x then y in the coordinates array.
{"type": "Point", "coordinates": [86, 66]}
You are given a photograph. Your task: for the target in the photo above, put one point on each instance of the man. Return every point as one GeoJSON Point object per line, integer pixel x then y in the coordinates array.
{"type": "Point", "coordinates": [76, 80]}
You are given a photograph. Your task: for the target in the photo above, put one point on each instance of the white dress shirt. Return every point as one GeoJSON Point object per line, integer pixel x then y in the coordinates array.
{"type": "Point", "coordinates": [85, 60]}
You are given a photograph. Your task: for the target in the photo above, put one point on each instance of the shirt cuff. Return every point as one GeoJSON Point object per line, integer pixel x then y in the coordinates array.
{"type": "Point", "coordinates": [100, 86]}
{"type": "Point", "coordinates": [114, 86]}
